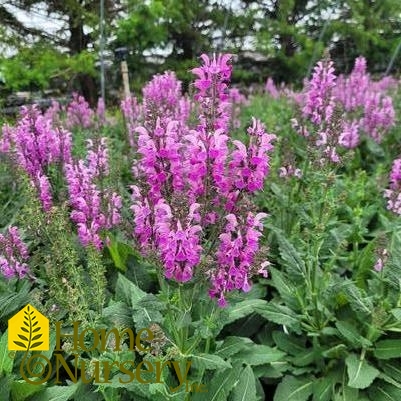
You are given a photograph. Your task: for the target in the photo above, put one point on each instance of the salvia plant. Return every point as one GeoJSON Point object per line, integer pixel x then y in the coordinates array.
{"type": "Point", "coordinates": [266, 266]}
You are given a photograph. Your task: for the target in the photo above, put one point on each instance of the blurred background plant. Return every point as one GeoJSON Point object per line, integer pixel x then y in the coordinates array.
{"type": "Point", "coordinates": [65, 45]}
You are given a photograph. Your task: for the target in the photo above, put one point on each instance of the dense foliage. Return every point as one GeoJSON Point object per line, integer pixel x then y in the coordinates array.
{"type": "Point", "coordinates": [270, 262]}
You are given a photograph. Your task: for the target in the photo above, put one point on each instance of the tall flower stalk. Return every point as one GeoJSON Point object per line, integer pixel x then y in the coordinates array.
{"type": "Point", "coordinates": [192, 180]}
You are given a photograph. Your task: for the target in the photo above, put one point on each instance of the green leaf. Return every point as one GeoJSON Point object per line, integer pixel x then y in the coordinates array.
{"type": "Point", "coordinates": [139, 389]}
{"type": "Point", "coordinates": [324, 387]}
{"type": "Point", "coordinates": [5, 383]}
{"type": "Point", "coordinates": [147, 310]}
{"type": "Point", "coordinates": [259, 355]}
{"type": "Point", "coordinates": [387, 349]}
{"type": "Point", "coordinates": [128, 291]}
{"type": "Point", "coordinates": [208, 361]}
{"type": "Point", "coordinates": [119, 252]}
{"type": "Point", "coordinates": [347, 394]}
{"type": "Point", "coordinates": [279, 314]}
{"type": "Point", "coordinates": [359, 303]}
{"type": "Point", "coordinates": [6, 363]}
{"type": "Point", "coordinates": [336, 352]}
{"type": "Point", "coordinates": [119, 313]}
{"type": "Point", "coordinates": [273, 370]}
{"type": "Point", "coordinates": [285, 287]}
{"type": "Point", "coordinates": [389, 379]}
{"type": "Point", "coordinates": [245, 390]}
{"type": "Point", "coordinates": [396, 313]}
{"type": "Point", "coordinates": [288, 343]}
{"type": "Point", "coordinates": [57, 393]}
{"type": "Point", "coordinates": [293, 389]}
{"type": "Point", "coordinates": [306, 357]}
{"type": "Point", "coordinates": [393, 369]}
{"type": "Point", "coordinates": [20, 389]}
{"type": "Point", "coordinates": [293, 260]}
{"type": "Point", "coordinates": [243, 309]}
{"type": "Point", "coordinates": [360, 373]}
{"type": "Point", "coordinates": [221, 384]}
{"type": "Point", "coordinates": [383, 391]}
{"type": "Point", "coordinates": [12, 302]}
{"type": "Point", "coordinates": [351, 334]}
{"type": "Point", "coordinates": [231, 346]}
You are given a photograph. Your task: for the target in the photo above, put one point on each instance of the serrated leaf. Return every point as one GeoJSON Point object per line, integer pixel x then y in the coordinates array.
{"type": "Point", "coordinates": [360, 373]}
{"type": "Point", "coordinates": [285, 287]}
{"type": "Point", "coordinates": [147, 310]}
{"type": "Point", "coordinates": [351, 334]}
{"type": "Point", "coordinates": [288, 343]}
{"type": "Point", "coordinates": [209, 361]}
{"type": "Point", "coordinates": [128, 291]}
{"type": "Point", "coordinates": [245, 390]}
{"type": "Point", "coordinates": [119, 313]}
{"type": "Point", "coordinates": [387, 349]}
{"type": "Point", "coordinates": [243, 309]}
{"type": "Point", "coordinates": [293, 261]}
{"type": "Point", "coordinates": [231, 346]}
{"type": "Point", "coordinates": [259, 355]}
{"type": "Point", "coordinates": [279, 314]}
{"type": "Point", "coordinates": [359, 303]}
{"type": "Point", "coordinates": [6, 363]}
{"type": "Point", "coordinates": [293, 389]}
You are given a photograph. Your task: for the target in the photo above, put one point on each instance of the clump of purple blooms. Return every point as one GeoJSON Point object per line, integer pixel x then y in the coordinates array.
{"type": "Point", "coordinates": [93, 209]}
{"type": "Point", "coordinates": [336, 110]}
{"type": "Point", "coordinates": [34, 145]}
{"type": "Point", "coordinates": [359, 94]}
{"type": "Point", "coordinates": [195, 181]}
{"type": "Point", "coordinates": [79, 113]}
{"type": "Point", "coordinates": [13, 254]}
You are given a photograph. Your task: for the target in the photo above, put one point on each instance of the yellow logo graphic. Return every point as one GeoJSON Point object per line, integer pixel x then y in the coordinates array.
{"type": "Point", "coordinates": [28, 330]}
